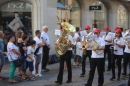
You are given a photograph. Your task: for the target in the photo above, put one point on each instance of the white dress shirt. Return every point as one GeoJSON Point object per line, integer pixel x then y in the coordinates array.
{"type": "Point", "coordinates": [101, 42]}
{"type": "Point", "coordinates": [45, 36]}
{"type": "Point", "coordinates": [119, 50]}
{"type": "Point", "coordinates": [107, 37]}
{"type": "Point", "coordinates": [127, 50]}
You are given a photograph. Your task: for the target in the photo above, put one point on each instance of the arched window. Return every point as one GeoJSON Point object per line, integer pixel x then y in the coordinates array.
{"type": "Point", "coordinates": [68, 10]}
{"type": "Point", "coordinates": [122, 17]}
{"type": "Point", "coordinates": [99, 17]}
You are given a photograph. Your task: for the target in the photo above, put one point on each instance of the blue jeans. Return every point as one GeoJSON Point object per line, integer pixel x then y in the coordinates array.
{"type": "Point", "coordinates": [24, 63]}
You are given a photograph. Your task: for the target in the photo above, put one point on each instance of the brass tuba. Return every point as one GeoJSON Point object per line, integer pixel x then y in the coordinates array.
{"type": "Point", "coordinates": [64, 41]}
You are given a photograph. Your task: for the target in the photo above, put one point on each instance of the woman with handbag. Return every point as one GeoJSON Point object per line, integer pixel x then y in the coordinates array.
{"type": "Point", "coordinates": [13, 56]}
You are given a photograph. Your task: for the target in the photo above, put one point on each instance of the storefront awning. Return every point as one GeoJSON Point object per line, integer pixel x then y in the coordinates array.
{"type": "Point", "coordinates": [60, 5]}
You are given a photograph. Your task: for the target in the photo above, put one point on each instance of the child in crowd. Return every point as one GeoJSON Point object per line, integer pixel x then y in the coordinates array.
{"type": "Point", "coordinates": [30, 58]}
{"type": "Point", "coordinates": [79, 52]}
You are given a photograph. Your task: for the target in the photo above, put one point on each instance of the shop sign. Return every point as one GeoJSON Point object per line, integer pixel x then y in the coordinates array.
{"type": "Point", "coordinates": [16, 6]}
{"type": "Point", "coordinates": [94, 7]}
{"type": "Point", "coordinates": [19, 5]}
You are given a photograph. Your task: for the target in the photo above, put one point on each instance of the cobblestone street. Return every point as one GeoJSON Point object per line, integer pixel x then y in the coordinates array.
{"type": "Point", "coordinates": [49, 78]}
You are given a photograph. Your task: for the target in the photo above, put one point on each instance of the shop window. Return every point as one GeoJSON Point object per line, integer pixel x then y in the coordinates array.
{"type": "Point", "coordinates": [68, 10]}
{"type": "Point", "coordinates": [99, 17]}
{"type": "Point", "coordinates": [122, 17]}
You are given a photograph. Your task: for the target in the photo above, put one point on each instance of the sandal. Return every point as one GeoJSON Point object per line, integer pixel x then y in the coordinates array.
{"type": "Point", "coordinates": [2, 78]}
{"type": "Point", "coordinates": [13, 81]}
{"type": "Point", "coordinates": [32, 78]}
{"type": "Point", "coordinates": [25, 78]}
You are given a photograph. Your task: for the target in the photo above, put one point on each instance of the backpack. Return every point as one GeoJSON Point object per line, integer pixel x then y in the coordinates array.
{"type": "Point", "coordinates": [53, 59]}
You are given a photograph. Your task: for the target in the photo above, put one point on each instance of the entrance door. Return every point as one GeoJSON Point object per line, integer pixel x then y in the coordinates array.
{"type": "Point", "coordinates": [7, 15]}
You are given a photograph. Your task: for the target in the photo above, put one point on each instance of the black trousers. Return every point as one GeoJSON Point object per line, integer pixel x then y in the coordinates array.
{"type": "Point", "coordinates": [118, 58]}
{"type": "Point", "coordinates": [108, 51]}
{"type": "Point", "coordinates": [99, 63]}
{"type": "Point", "coordinates": [89, 53]}
{"type": "Point", "coordinates": [66, 57]}
{"type": "Point", "coordinates": [129, 81]}
{"type": "Point", "coordinates": [45, 57]}
{"type": "Point", "coordinates": [126, 60]}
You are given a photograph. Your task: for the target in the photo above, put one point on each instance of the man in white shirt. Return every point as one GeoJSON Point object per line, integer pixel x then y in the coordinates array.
{"type": "Point", "coordinates": [77, 33]}
{"type": "Point", "coordinates": [38, 52]}
{"type": "Point", "coordinates": [88, 50]}
{"type": "Point", "coordinates": [66, 57]}
{"type": "Point", "coordinates": [97, 60]}
{"type": "Point", "coordinates": [46, 48]}
{"type": "Point", "coordinates": [108, 44]}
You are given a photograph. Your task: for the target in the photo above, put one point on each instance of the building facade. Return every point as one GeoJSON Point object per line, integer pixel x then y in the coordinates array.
{"type": "Point", "coordinates": [34, 14]}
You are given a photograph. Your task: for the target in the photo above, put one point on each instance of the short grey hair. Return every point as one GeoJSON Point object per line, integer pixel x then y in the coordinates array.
{"type": "Point", "coordinates": [44, 27]}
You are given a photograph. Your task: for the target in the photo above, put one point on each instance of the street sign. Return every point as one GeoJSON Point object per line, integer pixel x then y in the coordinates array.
{"type": "Point", "coordinates": [94, 7]}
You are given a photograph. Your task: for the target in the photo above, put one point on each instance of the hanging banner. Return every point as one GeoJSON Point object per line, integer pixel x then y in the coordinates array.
{"type": "Point", "coordinates": [15, 24]}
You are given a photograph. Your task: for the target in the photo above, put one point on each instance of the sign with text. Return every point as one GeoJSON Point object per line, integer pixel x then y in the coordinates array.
{"type": "Point", "coordinates": [15, 24]}
{"type": "Point", "coordinates": [94, 7]}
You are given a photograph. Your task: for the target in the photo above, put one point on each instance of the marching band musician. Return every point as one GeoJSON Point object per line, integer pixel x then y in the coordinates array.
{"type": "Point", "coordinates": [118, 53]}
{"type": "Point", "coordinates": [66, 57]}
{"type": "Point", "coordinates": [108, 44]}
{"type": "Point", "coordinates": [97, 61]}
{"type": "Point", "coordinates": [88, 50]}
{"type": "Point", "coordinates": [126, 57]}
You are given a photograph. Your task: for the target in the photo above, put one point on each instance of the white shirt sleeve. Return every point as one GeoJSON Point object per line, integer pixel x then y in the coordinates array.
{"type": "Point", "coordinates": [102, 42]}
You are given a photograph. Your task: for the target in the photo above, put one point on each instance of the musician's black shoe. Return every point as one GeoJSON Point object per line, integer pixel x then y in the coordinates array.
{"type": "Point", "coordinates": [108, 69]}
{"type": "Point", "coordinates": [68, 81]}
{"type": "Point", "coordinates": [100, 85]}
{"type": "Point", "coordinates": [58, 82]}
{"type": "Point", "coordinates": [124, 74]}
{"type": "Point", "coordinates": [112, 78]}
{"type": "Point", "coordinates": [87, 85]}
{"type": "Point", "coordinates": [82, 74]}
{"type": "Point", "coordinates": [118, 79]}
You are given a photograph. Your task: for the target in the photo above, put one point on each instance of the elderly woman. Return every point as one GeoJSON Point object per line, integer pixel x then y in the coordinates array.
{"type": "Point", "coordinates": [2, 58]}
{"type": "Point", "coordinates": [13, 54]}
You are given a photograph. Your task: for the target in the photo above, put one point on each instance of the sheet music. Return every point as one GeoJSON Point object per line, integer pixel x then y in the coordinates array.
{"type": "Point", "coordinates": [111, 34]}
{"type": "Point", "coordinates": [127, 38]}
{"type": "Point", "coordinates": [93, 37]}
{"type": "Point", "coordinates": [103, 34]}
{"type": "Point", "coordinates": [82, 33]}
{"type": "Point", "coordinates": [57, 32]}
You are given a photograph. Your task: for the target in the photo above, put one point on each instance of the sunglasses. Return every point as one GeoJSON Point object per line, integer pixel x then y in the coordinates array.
{"type": "Point", "coordinates": [95, 33]}
{"type": "Point", "coordinates": [86, 29]}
